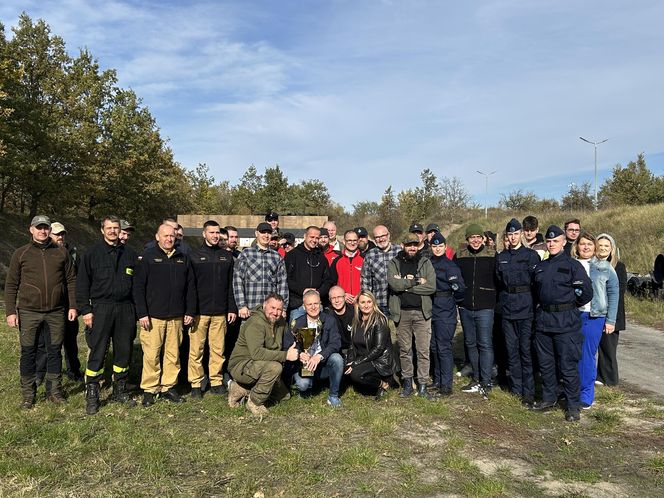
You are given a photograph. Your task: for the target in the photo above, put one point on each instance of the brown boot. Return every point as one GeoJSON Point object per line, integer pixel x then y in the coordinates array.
{"type": "Point", "coordinates": [55, 395]}
{"type": "Point", "coordinates": [28, 391]}
{"type": "Point", "coordinates": [256, 410]}
{"type": "Point", "coordinates": [236, 393]}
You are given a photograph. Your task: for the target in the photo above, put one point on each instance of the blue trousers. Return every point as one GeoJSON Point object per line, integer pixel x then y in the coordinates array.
{"type": "Point", "coordinates": [564, 351]}
{"type": "Point", "coordinates": [332, 369]}
{"type": "Point", "coordinates": [592, 329]}
{"type": "Point", "coordinates": [478, 337]}
{"type": "Point", "coordinates": [518, 341]}
{"type": "Point", "coordinates": [441, 351]}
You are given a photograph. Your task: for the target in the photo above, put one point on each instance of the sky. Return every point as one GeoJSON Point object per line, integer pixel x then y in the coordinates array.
{"type": "Point", "coordinates": [364, 94]}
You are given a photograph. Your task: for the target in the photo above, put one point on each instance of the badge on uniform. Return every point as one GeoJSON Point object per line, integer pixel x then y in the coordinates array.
{"type": "Point", "coordinates": [179, 260]}
{"type": "Point", "coordinates": [158, 260]}
{"type": "Point", "coordinates": [129, 271]}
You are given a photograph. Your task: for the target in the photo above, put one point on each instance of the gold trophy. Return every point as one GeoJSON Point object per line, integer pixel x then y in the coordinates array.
{"type": "Point", "coordinates": [304, 338]}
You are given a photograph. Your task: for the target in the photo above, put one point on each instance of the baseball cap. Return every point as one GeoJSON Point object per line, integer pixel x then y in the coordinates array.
{"type": "Point", "coordinates": [432, 227]}
{"type": "Point", "coordinates": [361, 232]}
{"type": "Point", "coordinates": [416, 227]}
{"type": "Point", "coordinates": [125, 225]}
{"type": "Point", "coordinates": [264, 227]}
{"type": "Point", "coordinates": [411, 238]}
{"type": "Point", "coordinates": [57, 227]}
{"type": "Point", "coordinates": [40, 219]}
{"type": "Point", "coordinates": [271, 216]}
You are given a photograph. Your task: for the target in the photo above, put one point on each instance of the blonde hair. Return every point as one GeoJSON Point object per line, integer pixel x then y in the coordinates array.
{"type": "Point", "coordinates": [614, 256]}
{"type": "Point", "coordinates": [374, 316]}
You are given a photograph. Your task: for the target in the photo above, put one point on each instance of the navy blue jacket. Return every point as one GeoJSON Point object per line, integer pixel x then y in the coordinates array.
{"type": "Point", "coordinates": [450, 288]}
{"type": "Point", "coordinates": [213, 267]}
{"type": "Point", "coordinates": [330, 339]}
{"type": "Point", "coordinates": [514, 271]}
{"type": "Point", "coordinates": [560, 280]}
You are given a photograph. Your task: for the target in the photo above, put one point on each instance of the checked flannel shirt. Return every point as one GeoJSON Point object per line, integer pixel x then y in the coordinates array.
{"type": "Point", "coordinates": [374, 272]}
{"type": "Point", "coordinates": [257, 273]}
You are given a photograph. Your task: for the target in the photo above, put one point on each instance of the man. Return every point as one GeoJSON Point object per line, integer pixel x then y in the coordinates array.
{"type": "Point", "coordinates": [213, 268]}
{"type": "Point", "coordinates": [306, 268]}
{"type": "Point", "coordinates": [344, 315]}
{"type": "Point", "coordinates": [423, 246]}
{"type": "Point", "coordinates": [478, 266]}
{"type": "Point", "coordinates": [286, 244]}
{"type": "Point", "coordinates": [363, 242]}
{"type": "Point", "coordinates": [126, 231]}
{"type": "Point", "coordinates": [273, 219]}
{"type": "Point", "coordinates": [39, 275]}
{"type": "Point", "coordinates": [322, 358]}
{"type": "Point", "coordinates": [165, 297]}
{"type": "Point", "coordinates": [514, 270]}
{"type": "Point", "coordinates": [274, 242]}
{"type": "Point", "coordinates": [572, 232]}
{"type": "Point", "coordinates": [561, 286]}
{"type": "Point", "coordinates": [412, 281]}
{"type": "Point", "coordinates": [180, 244]}
{"type": "Point", "coordinates": [257, 360]}
{"type": "Point", "coordinates": [233, 241]}
{"type": "Point", "coordinates": [532, 239]}
{"type": "Point", "coordinates": [331, 228]}
{"type": "Point", "coordinates": [346, 269]}
{"type": "Point", "coordinates": [104, 298]}
{"type": "Point", "coordinates": [326, 247]}
{"type": "Point", "coordinates": [258, 272]}
{"type": "Point", "coordinates": [374, 268]}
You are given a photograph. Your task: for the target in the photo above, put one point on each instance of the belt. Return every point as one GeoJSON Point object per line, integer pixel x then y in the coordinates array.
{"type": "Point", "coordinates": [519, 289]}
{"type": "Point", "coordinates": [559, 307]}
{"type": "Point", "coordinates": [443, 294]}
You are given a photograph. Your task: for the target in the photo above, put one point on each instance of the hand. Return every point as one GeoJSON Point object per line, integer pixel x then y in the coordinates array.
{"type": "Point", "coordinates": [608, 328]}
{"type": "Point", "coordinates": [305, 357]}
{"type": "Point", "coordinates": [421, 281]}
{"type": "Point", "coordinates": [188, 319]}
{"type": "Point", "coordinates": [349, 369]}
{"type": "Point", "coordinates": [87, 320]}
{"type": "Point", "coordinates": [350, 299]}
{"type": "Point", "coordinates": [72, 314]}
{"type": "Point", "coordinates": [145, 323]}
{"type": "Point", "coordinates": [230, 318]}
{"type": "Point", "coordinates": [12, 320]}
{"type": "Point", "coordinates": [292, 353]}
{"type": "Point", "coordinates": [313, 362]}
{"type": "Point", "coordinates": [244, 312]}
{"type": "Point", "coordinates": [284, 313]}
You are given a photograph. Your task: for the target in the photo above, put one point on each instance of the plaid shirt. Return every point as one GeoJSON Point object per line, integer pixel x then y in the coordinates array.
{"type": "Point", "coordinates": [374, 272]}
{"type": "Point", "coordinates": [257, 273]}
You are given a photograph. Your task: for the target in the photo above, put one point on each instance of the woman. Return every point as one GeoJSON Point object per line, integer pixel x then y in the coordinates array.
{"type": "Point", "coordinates": [370, 362]}
{"type": "Point", "coordinates": [607, 364]}
{"type": "Point", "coordinates": [598, 316]}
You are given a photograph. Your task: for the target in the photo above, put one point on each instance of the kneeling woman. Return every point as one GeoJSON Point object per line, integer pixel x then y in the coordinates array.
{"type": "Point", "coordinates": [598, 316]}
{"type": "Point", "coordinates": [370, 362]}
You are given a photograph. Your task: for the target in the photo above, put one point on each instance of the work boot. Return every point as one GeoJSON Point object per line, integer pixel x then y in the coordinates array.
{"type": "Point", "coordinates": [236, 393]}
{"type": "Point", "coordinates": [55, 396]}
{"type": "Point", "coordinates": [218, 390]}
{"type": "Point", "coordinates": [120, 393]}
{"type": "Point", "coordinates": [28, 391]}
{"type": "Point", "coordinates": [172, 396]}
{"type": "Point", "coordinates": [423, 393]}
{"type": "Point", "coordinates": [256, 410]}
{"type": "Point", "coordinates": [91, 398]}
{"type": "Point", "coordinates": [407, 388]}
{"type": "Point", "coordinates": [196, 393]}
{"type": "Point", "coordinates": [148, 399]}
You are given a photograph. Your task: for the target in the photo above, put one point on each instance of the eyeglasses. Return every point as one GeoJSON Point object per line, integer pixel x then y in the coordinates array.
{"type": "Point", "coordinates": [572, 229]}
{"type": "Point", "coordinates": [381, 237]}
{"type": "Point", "coordinates": [285, 244]}
{"type": "Point", "coordinates": [351, 241]}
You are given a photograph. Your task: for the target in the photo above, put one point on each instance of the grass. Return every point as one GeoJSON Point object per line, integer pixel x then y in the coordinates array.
{"type": "Point", "coordinates": [646, 311]}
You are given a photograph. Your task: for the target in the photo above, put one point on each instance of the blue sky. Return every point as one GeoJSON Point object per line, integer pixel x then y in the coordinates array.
{"type": "Point", "coordinates": [366, 94]}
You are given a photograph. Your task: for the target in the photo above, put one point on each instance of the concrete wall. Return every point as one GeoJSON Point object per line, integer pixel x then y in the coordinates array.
{"type": "Point", "coordinates": [249, 221]}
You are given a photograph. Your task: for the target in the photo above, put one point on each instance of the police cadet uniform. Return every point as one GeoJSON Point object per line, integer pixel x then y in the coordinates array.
{"type": "Point", "coordinates": [514, 270]}
{"type": "Point", "coordinates": [164, 291]}
{"type": "Point", "coordinates": [450, 290]}
{"type": "Point", "coordinates": [104, 288]}
{"type": "Point", "coordinates": [213, 268]}
{"type": "Point", "coordinates": [561, 285]}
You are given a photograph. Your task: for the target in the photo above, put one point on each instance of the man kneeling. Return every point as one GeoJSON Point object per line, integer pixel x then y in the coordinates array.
{"type": "Point", "coordinates": [322, 359]}
{"type": "Point", "coordinates": [257, 359]}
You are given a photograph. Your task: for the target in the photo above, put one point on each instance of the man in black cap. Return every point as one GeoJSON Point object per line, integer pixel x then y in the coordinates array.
{"type": "Point", "coordinates": [126, 231]}
{"type": "Point", "coordinates": [561, 285]}
{"type": "Point", "coordinates": [273, 219]}
{"type": "Point", "coordinates": [431, 229]}
{"type": "Point", "coordinates": [514, 269]}
{"type": "Point", "coordinates": [363, 242]}
{"type": "Point", "coordinates": [286, 244]}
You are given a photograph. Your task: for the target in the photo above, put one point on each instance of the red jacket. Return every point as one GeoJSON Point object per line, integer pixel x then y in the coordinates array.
{"type": "Point", "coordinates": [331, 254]}
{"type": "Point", "coordinates": [347, 271]}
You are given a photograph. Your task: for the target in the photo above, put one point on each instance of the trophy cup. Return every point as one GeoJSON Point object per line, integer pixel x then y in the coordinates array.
{"type": "Point", "coordinates": [304, 337]}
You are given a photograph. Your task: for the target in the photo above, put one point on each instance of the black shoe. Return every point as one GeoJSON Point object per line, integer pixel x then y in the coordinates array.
{"type": "Point", "coordinates": [28, 403]}
{"type": "Point", "coordinates": [148, 399]}
{"type": "Point", "coordinates": [423, 393]}
{"type": "Point", "coordinates": [573, 415]}
{"type": "Point", "coordinates": [196, 393]}
{"type": "Point", "coordinates": [528, 402]}
{"type": "Point", "coordinates": [407, 388]}
{"type": "Point", "coordinates": [445, 391]}
{"type": "Point", "coordinates": [91, 398]}
{"type": "Point", "coordinates": [120, 394]}
{"type": "Point", "coordinates": [381, 394]}
{"type": "Point", "coordinates": [172, 396]}
{"type": "Point", "coordinates": [544, 406]}
{"type": "Point", "coordinates": [218, 390]}
{"type": "Point", "coordinates": [75, 376]}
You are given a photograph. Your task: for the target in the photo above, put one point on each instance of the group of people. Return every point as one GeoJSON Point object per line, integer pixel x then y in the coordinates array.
{"type": "Point", "coordinates": [277, 315]}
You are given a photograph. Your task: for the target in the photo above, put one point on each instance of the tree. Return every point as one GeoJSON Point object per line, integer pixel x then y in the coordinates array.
{"type": "Point", "coordinates": [454, 199]}
{"type": "Point", "coordinates": [388, 212]}
{"type": "Point", "coordinates": [519, 200]}
{"type": "Point", "coordinates": [578, 198]}
{"type": "Point", "coordinates": [632, 185]}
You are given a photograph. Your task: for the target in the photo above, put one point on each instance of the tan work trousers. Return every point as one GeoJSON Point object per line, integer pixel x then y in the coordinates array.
{"type": "Point", "coordinates": [166, 334]}
{"type": "Point", "coordinates": [210, 329]}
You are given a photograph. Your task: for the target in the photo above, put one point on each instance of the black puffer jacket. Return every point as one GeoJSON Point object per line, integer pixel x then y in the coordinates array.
{"type": "Point", "coordinates": [379, 345]}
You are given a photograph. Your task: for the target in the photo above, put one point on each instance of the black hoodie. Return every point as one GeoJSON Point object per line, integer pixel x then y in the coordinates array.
{"type": "Point", "coordinates": [306, 269]}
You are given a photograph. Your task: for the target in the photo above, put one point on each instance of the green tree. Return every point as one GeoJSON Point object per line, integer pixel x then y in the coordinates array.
{"type": "Point", "coordinates": [578, 198]}
{"type": "Point", "coordinates": [632, 185]}
{"type": "Point", "coordinates": [455, 199]}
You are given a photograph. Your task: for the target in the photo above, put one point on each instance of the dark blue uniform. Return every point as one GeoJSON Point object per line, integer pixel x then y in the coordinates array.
{"type": "Point", "coordinates": [450, 290]}
{"type": "Point", "coordinates": [561, 285]}
{"type": "Point", "coordinates": [514, 271]}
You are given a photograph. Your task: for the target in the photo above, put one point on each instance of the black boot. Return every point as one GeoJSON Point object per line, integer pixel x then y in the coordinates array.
{"type": "Point", "coordinates": [407, 388]}
{"type": "Point", "coordinates": [423, 393]}
{"type": "Point", "coordinates": [28, 391]}
{"type": "Point", "coordinates": [91, 398]}
{"type": "Point", "coordinates": [120, 393]}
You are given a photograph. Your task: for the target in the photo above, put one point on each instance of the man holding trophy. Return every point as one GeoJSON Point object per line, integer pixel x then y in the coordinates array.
{"type": "Point", "coordinates": [319, 342]}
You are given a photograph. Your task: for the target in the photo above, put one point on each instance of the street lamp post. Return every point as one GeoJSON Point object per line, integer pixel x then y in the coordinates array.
{"type": "Point", "coordinates": [486, 192]}
{"type": "Point", "coordinates": [595, 144]}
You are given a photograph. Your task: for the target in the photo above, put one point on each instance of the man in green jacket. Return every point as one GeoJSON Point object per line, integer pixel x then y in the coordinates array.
{"type": "Point", "coordinates": [412, 281]}
{"type": "Point", "coordinates": [257, 359]}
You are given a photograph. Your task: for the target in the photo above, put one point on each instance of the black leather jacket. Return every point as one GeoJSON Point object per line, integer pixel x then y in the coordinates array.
{"type": "Point", "coordinates": [380, 353]}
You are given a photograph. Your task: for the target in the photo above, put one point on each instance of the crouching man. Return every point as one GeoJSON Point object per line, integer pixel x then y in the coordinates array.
{"type": "Point", "coordinates": [322, 359]}
{"type": "Point", "coordinates": [257, 359]}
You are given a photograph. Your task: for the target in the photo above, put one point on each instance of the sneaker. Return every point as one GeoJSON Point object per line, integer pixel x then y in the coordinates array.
{"type": "Point", "coordinates": [334, 401]}
{"type": "Point", "coordinates": [599, 383]}
{"type": "Point", "coordinates": [236, 394]}
{"type": "Point", "coordinates": [573, 415]}
{"type": "Point", "coordinates": [585, 405]}
{"type": "Point", "coordinates": [172, 396]}
{"type": "Point", "coordinates": [148, 399]}
{"type": "Point", "coordinates": [218, 390]}
{"type": "Point", "coordinates": [485, 390]}
{"type": "Point", "coordinates": [196, 393]}
{"type": "Point", "coordinates": [256, 410]}
{"type": "Point", "coordinates": [472, 387]}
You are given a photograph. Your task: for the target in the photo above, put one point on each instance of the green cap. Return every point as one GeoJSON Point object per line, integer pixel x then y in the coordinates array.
{"type": "Point", "coordinates": [474, 229]}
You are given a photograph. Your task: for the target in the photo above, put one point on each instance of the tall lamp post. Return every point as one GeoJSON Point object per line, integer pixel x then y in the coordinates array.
{"type": "Point", "coordinates": [486, 192]}
{"type": "Point", "coordinates": [595, 144]}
